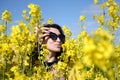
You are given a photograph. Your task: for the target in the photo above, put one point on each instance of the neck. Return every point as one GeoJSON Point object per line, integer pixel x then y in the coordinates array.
{"type": "Point", "coordinates": [52, 57]}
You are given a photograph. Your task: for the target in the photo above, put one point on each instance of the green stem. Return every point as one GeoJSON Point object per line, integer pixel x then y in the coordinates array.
{"type": "Point", "coordinates": [6, 26]}
{"type": "Point", "coordinates": [30, 65]}
{"type": "Point", "coordinates": [82, 25]}
{"type": "Point", "coordinates": [116, 72]}
{"type": "Point", "coordinates": [38, 48]}
{"type": "Point", "coordinates": [3, 72]}
{"type": "Point", "coordinates": [18, 56]}
{"type": "Point", "coordinates": [24, 56]}
{"type": "Point", "coordinates": [5, 66]}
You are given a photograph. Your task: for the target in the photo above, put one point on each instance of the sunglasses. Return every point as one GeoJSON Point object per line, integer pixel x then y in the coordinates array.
{"type": "Point", "coordinates": [53, 36]}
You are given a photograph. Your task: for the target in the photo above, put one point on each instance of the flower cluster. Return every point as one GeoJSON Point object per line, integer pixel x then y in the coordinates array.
{"type": "Point", "coordinates": [6, 15]}
{"type": "Point", "coordinates": [110, 13]}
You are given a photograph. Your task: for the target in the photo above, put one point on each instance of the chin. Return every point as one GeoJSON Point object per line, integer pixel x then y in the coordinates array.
{"type": "Point", "coordinates": [57, 50]}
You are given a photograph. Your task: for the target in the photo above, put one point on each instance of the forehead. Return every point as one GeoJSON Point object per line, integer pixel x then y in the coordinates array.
{"type": "Point", "coordinates": [54, 30]}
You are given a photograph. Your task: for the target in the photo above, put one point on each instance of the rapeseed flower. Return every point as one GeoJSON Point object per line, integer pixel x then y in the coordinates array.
{"type": "Point", "coordinates": [35, 13]}
{"type": "Point", "coordinates": [2, 28]}
{"type": "Point", "coordinates": [82, 18]}
{"type": "Point", "coordinates": [35, 10]}
{"type": "Point", "coordinates": [6, 16]}
{"type": "Point", "coordinates": [50, 21]}
{"type": "Point", "coordinates": [101, 19]}
{"type": "Point", "coordinates": [95, 1]}
{"type": "Point", "coordinates": [67, 32]}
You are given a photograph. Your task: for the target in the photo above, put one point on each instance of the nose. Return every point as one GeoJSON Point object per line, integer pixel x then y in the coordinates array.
{"type": "Point", "coordinates": [58, 39]}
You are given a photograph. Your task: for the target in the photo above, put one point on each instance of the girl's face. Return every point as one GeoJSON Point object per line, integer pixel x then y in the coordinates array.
{"type": "Point", "coordinates": [54, 45]}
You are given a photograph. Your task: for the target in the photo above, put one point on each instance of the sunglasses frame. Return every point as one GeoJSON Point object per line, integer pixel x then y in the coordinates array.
{"type": "Point", "coordinates": [54, 36]}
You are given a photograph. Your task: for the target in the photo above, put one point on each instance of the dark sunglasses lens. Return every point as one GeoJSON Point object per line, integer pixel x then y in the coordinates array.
{"type": "Point", "coordinates": [62, 38]}
{"type": "Point", "coordinates": [53, 36]}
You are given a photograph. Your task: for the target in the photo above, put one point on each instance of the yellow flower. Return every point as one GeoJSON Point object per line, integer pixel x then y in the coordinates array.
{"type": "Point", "coordinates": [67, 32]}
{"type": "Point", "coordinates": [110, 0]}
{"type": "Point", "coordinates": [24, 11]}
{"type": "Point", "coordinates": [82, 18]}
{"type": "Point", "coordinates": [35, 15]}
{"type": "Point", "coordinates": [14, 68]}
{"type": "Point", "coordinates": [107, 4]}
{"type": "Point", "coordinates": [35, 10]}
{"type": "Point", "coordinates": [26, 63]}
{"type": "Point", "coordinates": [101, 19]}
{"type": "Point", "coordinates": [95, 1]}
{"type": "Point", "coordinates": [62, 65]}
{"type": "Point", "coordinates": [2, 28]}
{"type": "Point", "coordinates": [50, 21]}
{"type": "Point", "coordinates": [102, 5]}
{"type": "Point", "coordinates": [3, 36]}
{"type": "Point", "coordinates": [82, 35]}
{"type": "Point", "coordinates": [6, 15]}
{"type": "Point", "coordinates": [111, 9]}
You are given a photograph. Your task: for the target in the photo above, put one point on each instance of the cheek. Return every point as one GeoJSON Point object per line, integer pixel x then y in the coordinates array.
{"type": "Point", "coordinates": [52, 47]}
{"type": "Point", "coordinates": [50, 44]}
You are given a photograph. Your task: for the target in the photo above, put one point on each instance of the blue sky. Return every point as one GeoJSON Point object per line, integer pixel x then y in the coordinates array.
{"type": "Point", "coordinates": [64, 12]}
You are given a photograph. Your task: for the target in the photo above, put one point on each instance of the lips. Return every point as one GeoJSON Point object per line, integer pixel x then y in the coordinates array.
{"type": "Point", "coordinates": [58, 45]}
